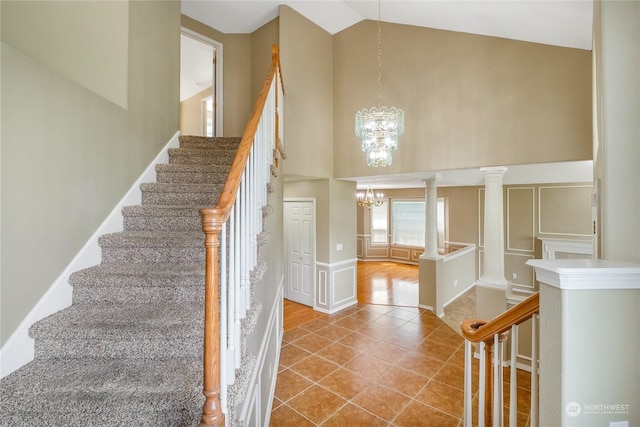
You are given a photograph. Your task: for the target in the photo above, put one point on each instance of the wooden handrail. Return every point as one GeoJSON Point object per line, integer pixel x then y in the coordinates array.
{"type": "Point", "coordinates": [213, 220]}
{"type": "Point", "coordinates": [230, 189]}
{"type": "Point", "coordinates": [476, 330]}
{"type": "Point", "coordinates": [490, 333]}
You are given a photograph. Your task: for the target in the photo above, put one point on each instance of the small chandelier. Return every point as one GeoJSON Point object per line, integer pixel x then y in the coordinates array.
{"type": "Point", "coordinates": [368, 199]}
{"type": "Point", "coordinates": [379, 127]}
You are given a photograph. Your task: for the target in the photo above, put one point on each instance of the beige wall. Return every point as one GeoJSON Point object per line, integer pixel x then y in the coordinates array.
{"type": "Point", "coordinates": [262, 41]}
{"type": "Point", "coordinates": [191, 113]}
{"type": "Point", "coordinates": [307, 62]}
{"type": "Point", "coordinates": [70, 152]}
{"type": "Point", "coordinates": [469, 100]}
{"type": "Point", "coordinates": [98, 64]}
{"type": "Point", "coordinates": [342, 220]}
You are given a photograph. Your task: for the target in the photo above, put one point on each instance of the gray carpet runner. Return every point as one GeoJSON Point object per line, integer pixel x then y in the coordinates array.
{"type": "Point", "coordinates": [128, 351]}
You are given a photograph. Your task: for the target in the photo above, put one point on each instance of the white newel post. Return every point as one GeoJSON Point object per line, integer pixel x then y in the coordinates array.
{"type": "Point", "coordinates": [491, 289]}
{"type": "Point", "coordinates": [589, 341]}
{"type": "Point", "coordinates": [430, 227]}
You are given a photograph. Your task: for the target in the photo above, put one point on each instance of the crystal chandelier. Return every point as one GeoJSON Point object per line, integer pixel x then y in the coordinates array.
{"type": "Point", "coordinates": [368, 199]}
{"type": "Point", "coordinates": [379, 127]}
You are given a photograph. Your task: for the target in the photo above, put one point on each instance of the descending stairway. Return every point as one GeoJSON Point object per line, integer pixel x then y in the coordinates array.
{"type": "Point", "coordinates": [128, 351]}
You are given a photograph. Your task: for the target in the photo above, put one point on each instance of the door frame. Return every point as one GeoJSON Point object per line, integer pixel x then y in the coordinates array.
{"type": "Point", "coordinates": [217, 75]}
{"type": "Point", "coordinates": [285, 248]}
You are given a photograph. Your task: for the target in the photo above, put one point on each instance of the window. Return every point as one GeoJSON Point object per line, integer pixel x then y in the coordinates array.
{"type": "Point", "coordinates": [379, 224]}
{"type": "Point", "coordinates": [408, 218]}
{"type": "Point", "coordinates": [207, 116]}
{"type": "Point", "coordinates": [440, 222]}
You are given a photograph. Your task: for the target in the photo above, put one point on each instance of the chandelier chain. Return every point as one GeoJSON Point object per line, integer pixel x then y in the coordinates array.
{"type": "Point", "coordinates": [379, 58]}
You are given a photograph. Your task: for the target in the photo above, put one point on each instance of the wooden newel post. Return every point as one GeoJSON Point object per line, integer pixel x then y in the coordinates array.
{"type": "Point", "coordinates": [211, 411]}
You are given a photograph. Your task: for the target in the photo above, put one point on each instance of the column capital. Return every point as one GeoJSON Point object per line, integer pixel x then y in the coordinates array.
{"type": "Point", "coordinates": [434, 179]}
{"type": "Point", "coordinates": [494, 169]}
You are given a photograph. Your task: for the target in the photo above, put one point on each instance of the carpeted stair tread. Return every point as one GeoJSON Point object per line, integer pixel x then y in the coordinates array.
{"type": "Point", "coordinates": [139, 274]}
{"type": "Point", "coordinates": [197, 156]}
{"type": "Point", "coordinates": [105, 392]}
{"type": "Point", "coordinates": [164, 193]}
{"type": "Point", "coordinates": [120, 331]}
{"type": "Point", "coordinates": [149, 283]}
{"type": "Point", "coordinates": [161, 210]}
{"type": "Point", "coordinates": [171, 187]}
{"type": "Point", "coordinates": [192, 141]}
{"type": "Point", "coordinates": [167, 167]}
{"type": "Point", "coordinates": [162, 218]}
{"type": "Point", "coordinates": [119, 321]}
{"type": "Point", "coordinates": [192, 174]}
{"type": "Point", "coordinates": [156, 239]}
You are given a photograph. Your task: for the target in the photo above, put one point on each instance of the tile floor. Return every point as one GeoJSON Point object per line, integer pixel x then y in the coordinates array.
{"type": "Point", "coordinates": [371, 365]}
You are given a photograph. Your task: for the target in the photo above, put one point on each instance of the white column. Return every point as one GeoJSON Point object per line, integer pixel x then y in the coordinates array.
{"type": "Point", "coordinates": [493, 265]}
{"type": "Point", "coordinates": [430, 226]}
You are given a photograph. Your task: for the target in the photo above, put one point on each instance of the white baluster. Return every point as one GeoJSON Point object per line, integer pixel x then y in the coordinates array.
{"type": "Point", "coordinates": [238, 282]}
{"type": "Point", "coordinates": [233, 289]}
{"type": "Point", "coordinates": [468, 375]}
{"type": "Point", "coordinates": [482, 385]}
{"type": "Point", "coordinates": [513, 387]}
{"type": "Point", "coordinates": [497, 381]}
{"type": "Point", "coordinates": [534, 370]}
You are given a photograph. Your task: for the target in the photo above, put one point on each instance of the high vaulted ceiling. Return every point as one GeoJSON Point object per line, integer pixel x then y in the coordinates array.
{"type": "Point", "coordinates": [565, 23]}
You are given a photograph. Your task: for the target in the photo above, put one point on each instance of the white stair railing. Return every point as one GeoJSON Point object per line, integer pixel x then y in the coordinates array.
{"type": "Point", "coordinates": [232, 229]}
{"type": "Point", "coordinates": [490, 338]}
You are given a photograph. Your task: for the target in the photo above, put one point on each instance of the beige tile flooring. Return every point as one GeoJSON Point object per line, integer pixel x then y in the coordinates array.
{"type": "Point", "coordinates": [378, 365]}
{"type": "Point", "coordinates": [370, 365]}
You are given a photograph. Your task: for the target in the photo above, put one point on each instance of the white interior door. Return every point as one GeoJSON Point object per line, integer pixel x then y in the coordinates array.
{"type": "Point", "coordinates": [299, 231]}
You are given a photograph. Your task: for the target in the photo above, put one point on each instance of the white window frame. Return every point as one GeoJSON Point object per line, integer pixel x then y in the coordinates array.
{"type": "Point", "coordinates": [384, 207]}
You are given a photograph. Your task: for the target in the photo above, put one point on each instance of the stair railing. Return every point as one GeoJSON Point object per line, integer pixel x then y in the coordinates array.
{"type": "Point", "coordinates": [234, 224]}
{"type": "Point", "coordinates": [490, 337]}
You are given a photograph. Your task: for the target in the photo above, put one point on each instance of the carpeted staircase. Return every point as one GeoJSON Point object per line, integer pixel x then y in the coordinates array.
{"type": "Point", "coordinates": [128, 351]}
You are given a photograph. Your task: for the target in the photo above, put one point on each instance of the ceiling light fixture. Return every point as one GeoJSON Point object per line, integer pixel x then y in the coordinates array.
{"type": "Point", "coordinates": [368, 199]}
{"type": "Point", "coordinates": [379, 127]}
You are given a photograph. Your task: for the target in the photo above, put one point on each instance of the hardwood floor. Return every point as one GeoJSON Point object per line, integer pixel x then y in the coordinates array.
{"type": "Point", "coordinates": [388, 283]}
{"type": "Point", "coordinates": [385, 283]}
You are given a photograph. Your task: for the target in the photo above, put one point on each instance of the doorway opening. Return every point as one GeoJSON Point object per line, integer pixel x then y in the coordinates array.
{"type": "Point", "coordinates": [200, 85]}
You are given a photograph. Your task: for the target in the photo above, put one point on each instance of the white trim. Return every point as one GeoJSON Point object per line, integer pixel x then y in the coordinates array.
{"type": "Point", "coordinates": [470, 247]}
{"type": "Point", "coordinates": [458, 295]}
{"type": "Point", "coordinates": [274, 335]}
{"type": "Point", "coordinates": [335, 309]}
{"type": "Point", "coordinates": [326, 283]}
{"type": "Point", "coordinates": [19, 348]}
{"type": "Point", "coordinates": [549, 233]}
{"type": "Point", "coordinates": [338, 264]}
{"type": "Point", "coordinates": [531, 285]}
{"type": "Point", "coordinates": [587, 274]}
{"type": "Point", "coordinates": [533, 223]}
{"type": "Point", "coordinates": [426, 307]}
{"type": "Point", "coordinates": [218, 74]}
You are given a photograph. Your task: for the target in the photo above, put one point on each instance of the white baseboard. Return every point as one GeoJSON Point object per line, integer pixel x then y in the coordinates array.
{"type": "Point", "coordinates": [19, 348]}
{"type": "Point", "coordinates": [462, 292]}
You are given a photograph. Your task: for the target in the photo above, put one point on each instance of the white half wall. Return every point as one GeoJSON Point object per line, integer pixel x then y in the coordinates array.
{"type": "Point", "coordinates": [336, 286]}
